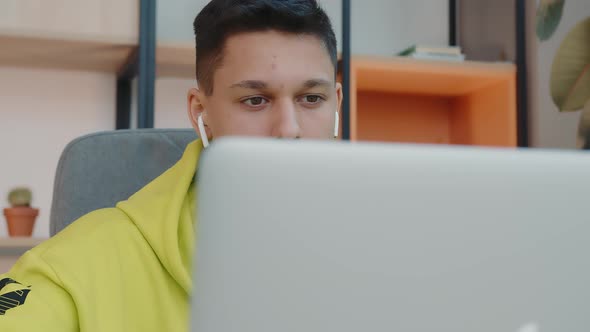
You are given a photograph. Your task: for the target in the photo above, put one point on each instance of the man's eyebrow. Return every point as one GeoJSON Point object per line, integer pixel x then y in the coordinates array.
{"type": "Point", "coordinates": [250, 84]}
{"type": "Point", "coordinates": [309, 84]}
{"type": "Point", "coordinates": [261, 85]}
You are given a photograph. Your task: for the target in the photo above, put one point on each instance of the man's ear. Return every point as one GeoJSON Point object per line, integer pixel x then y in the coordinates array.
{"type": "Point", "coordinates": [196, 107]}
{"type": "Point", "coordinates": [339, 95]}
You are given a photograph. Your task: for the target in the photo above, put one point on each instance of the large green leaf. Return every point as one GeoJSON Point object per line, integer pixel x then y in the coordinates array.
{"type": "Point", "coordinates": [548, 17]}
{"type": "Point", "coordinates": [570, 73]}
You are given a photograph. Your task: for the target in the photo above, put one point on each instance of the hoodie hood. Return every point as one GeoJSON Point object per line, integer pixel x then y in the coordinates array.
{"type": "Point", "coordinates": [164, 212]}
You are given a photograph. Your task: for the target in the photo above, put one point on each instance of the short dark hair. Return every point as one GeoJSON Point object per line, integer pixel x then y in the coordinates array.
{"type": "Point", "coordinates": [221, 19]}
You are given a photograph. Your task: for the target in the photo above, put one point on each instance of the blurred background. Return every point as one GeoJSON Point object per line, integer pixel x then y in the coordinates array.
{"type": "Point", "coordinates": [475, 72]}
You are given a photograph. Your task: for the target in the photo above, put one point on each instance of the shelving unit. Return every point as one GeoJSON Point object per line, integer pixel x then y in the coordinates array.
{"type": "Point", "coordinates": [71, 52]}
{"type": "Point", "coordinates": [115, 45]}
{"type": "Point", "coordinates": [12, 246]}
{"type": "Point", "coordinates": [68, 34]}
{"type": "Point", "coordinates": [418, 101]}
{"type": "Point", "coordinates": [175, 60]}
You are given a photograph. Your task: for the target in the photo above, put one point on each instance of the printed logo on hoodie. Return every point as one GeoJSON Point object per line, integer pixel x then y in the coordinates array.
{"type": "Point", "coordinates": [12, 299]}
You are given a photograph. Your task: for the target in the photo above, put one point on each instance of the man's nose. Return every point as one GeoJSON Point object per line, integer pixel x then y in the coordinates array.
{"type": "Point", "coordinates": [286, 124]}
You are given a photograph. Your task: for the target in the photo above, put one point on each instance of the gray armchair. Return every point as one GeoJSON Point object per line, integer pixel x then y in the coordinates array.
{"type": "Point", "coordinates": [101, 169]}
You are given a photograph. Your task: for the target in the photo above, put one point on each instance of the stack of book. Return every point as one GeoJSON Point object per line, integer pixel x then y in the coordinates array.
{"type": "Point", "coordinates": [449, 53]}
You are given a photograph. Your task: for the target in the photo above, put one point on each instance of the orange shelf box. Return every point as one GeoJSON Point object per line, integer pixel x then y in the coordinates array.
{"type": "Point", "coordinates": [416, 101]}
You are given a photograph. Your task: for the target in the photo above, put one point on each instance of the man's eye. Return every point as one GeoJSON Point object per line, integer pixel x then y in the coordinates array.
{"type": "Point", "coordinates": [312, 99]}
{"type": "Point", "coordinates": [255, 101]}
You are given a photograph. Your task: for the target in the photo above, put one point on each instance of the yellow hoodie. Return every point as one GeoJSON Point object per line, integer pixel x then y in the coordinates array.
{"type": "Point", "coordinates": [125, 268]}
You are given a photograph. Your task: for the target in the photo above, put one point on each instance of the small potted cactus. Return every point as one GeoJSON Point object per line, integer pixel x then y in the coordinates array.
{"type": "Point", "coordinates": [20, 217]}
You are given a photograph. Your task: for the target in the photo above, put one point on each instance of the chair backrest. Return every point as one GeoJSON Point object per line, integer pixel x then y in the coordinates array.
{"type": "Point", "coordinates": [101, 169]}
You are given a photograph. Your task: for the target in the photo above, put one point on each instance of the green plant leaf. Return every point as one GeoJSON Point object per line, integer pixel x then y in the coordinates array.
{"type": "Point", "coordinates": [570, 72]}
{"type": "Point", "coordinates": [548, 17]}
{"type": "Point", "coordinates": [584, 128]}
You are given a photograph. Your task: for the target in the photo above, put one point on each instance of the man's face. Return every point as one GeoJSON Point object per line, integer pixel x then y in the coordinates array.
{"type": "Point", "coordinates": [270, 84]}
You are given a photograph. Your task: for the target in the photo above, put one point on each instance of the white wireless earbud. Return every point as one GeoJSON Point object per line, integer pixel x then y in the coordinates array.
{"type": "Point", "coordinates": [336, 125]}
{"type": "Point", "coordinates": [202, 132]}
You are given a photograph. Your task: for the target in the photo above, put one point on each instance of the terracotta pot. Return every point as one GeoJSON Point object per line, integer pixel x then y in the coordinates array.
{"type": "Point", "coordinates": [20, 220]}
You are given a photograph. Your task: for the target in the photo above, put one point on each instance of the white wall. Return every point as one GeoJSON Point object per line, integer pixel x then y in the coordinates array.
{"type": "Point", "coordinates": [385, 27]}
{"type": "Point", "coordinates": [170, 103]}
{"type": "Point", "coordinates": [42, 110]}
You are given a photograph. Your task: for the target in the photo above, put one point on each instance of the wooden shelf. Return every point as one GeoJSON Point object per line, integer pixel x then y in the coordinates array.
{"type": "Point", "coordinates": [42, 50]}
{"type": "Point", "coordinates": [434, 102]}
{"type": "Point", "coordinates": [17, 245]}
{"type": "Point", "coordinates": [175, 60]}
{"type": "Point", "coordinates": [430, 77]}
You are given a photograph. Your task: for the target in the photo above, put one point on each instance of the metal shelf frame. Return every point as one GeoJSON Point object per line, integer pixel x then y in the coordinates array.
{"type": "Point", "coordinates": [522, 104]}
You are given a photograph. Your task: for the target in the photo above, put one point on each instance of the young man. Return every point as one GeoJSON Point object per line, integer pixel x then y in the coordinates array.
{"type": "Point", "coordinates": [265, 68]}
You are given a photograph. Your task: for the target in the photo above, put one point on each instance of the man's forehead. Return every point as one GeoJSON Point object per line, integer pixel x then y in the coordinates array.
{"type": "Point", "coordinates": [244, 41]}
{"type": "Point", "coordinates": [268, 54]}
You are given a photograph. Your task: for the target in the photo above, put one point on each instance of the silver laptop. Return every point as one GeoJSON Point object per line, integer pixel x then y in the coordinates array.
{"type": "Point", "coordinates": [337, 237]}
